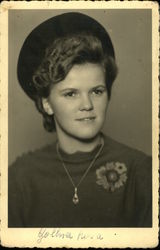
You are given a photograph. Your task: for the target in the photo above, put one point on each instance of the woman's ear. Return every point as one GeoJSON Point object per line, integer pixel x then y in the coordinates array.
{"type": "Point", "coordinates": [47, 107]}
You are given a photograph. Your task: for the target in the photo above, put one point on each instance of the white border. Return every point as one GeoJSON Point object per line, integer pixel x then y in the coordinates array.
{"type": "Point", "coordinates": [115, 237]}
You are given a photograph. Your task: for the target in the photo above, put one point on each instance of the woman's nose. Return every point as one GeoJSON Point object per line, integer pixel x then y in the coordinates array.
{"type": "Point", "coordinates": [86, 103]}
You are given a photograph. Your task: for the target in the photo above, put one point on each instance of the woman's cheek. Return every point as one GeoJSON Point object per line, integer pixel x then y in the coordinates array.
{"type": "Point", "coordinates": [63, 110]}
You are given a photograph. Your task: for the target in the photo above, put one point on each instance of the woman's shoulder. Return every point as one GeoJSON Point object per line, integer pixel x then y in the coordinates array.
{"type": "Point", "coordinates": [119, 149]}
{"type": "Point", "coordinates": [137, 162]}
{"type": "Point", "coordinates": [32, 160]}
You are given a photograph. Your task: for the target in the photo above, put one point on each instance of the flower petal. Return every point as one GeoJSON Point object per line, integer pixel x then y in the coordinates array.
{"type": "Point", "coordinates": [120, 167]}
{"type": "Point", "coordinates": [100, 172]}
{"type": "Point", "coordinates": [110, 165]}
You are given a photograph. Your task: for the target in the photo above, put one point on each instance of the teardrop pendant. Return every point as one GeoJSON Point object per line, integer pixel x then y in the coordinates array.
{"type": "Point", "coordinates": [75, 197]}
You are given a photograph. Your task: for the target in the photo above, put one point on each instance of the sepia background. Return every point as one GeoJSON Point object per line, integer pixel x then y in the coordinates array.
{"type": "Point", "coordinates": [129, 117]}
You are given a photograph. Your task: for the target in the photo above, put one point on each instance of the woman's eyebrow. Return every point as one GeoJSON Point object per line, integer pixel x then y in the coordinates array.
{"type": "Point", "coordinates": [99, 86]}
{"type": "Point", "coordinates": [76, 89]}
{"type": "Point", "coordinates": [68, 89]}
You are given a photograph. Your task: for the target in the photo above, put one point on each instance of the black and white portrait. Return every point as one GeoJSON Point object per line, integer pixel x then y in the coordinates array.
{"type": "Point", "coordinates": [80, 118]}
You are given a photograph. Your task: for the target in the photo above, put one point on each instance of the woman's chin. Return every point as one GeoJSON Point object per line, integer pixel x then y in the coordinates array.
{"type": "Point", "coordinates": [87, 136]}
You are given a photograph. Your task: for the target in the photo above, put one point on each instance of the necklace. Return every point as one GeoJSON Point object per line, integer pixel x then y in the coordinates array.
{"type": "Point", "coordinates": [75, 198]}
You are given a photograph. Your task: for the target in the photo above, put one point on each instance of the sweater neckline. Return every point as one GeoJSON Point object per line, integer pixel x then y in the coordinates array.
{"type": "Point", "coordinates": [79, 156]}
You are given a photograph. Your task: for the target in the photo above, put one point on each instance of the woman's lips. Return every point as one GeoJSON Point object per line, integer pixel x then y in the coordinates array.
{"type": "Point", "coordinates": [92, 118]}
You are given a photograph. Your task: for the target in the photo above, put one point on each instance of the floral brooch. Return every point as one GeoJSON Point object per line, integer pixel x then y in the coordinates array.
{"type": "Point", "coordinates": [112, 176]}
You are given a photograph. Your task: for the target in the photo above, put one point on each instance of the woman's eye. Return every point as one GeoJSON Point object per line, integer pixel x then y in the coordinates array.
{"type": "Point", "coordinates": [98, 91]}
{"type": "Point", "coordinates": [70, 94]}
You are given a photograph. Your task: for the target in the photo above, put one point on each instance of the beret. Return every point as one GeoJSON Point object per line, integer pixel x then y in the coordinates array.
{"type": "Point", "coordinates": [34, 46]}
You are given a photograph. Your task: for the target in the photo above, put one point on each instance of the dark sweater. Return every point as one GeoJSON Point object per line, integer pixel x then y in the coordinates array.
{"type": "Point", "coordinates": [117, 191]}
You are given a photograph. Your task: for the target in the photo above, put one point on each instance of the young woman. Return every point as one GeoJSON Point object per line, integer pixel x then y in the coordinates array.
{"type": "Point", "coordinates": [85, 179]}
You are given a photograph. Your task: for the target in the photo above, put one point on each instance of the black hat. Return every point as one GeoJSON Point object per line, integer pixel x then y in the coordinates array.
{"type": "Point", "coordinates": [33, 49]}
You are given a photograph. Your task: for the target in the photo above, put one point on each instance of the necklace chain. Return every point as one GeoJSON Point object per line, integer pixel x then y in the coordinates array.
{"type": "Point", "coordinates": [75, 197]}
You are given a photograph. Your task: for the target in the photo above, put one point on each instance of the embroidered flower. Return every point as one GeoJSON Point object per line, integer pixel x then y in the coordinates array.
{"type": "Point", "coordinates": [112, 176]}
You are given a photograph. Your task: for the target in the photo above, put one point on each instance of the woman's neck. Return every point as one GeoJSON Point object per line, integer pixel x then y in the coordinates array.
{"type": "Point", "coordinates": [72, 145]}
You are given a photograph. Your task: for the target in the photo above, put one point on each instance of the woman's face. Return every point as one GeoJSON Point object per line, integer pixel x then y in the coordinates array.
{"type": "Point", "coordinates": [79, 102]}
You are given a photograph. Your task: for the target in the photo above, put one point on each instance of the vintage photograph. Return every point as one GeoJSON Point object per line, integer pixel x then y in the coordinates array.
{"type": "Point", "coordinates": [80, 106]}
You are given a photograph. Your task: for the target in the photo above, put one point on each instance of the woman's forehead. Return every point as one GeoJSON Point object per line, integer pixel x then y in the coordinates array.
{"type": "Point", "coordinates": [85, 75]}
